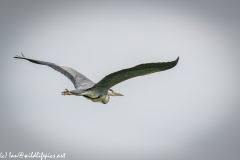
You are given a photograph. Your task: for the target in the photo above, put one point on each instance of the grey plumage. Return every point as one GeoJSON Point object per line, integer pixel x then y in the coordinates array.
{"type": "Point", "coordinates": [101, 92]}
{"type": "Point", "coordinates": [79, 81]}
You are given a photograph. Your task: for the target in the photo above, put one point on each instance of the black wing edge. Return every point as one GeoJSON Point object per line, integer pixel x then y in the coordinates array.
{"type": "Point", "coordinates": [171, 64]}
{"type": "Point", "coordinates": [176, 62]}
{"type": "Point", "coordinates": [23, 57]}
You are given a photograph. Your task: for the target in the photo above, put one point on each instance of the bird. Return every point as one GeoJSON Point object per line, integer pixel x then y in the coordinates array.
{"type": "Point", "coordinates": [101, 91]}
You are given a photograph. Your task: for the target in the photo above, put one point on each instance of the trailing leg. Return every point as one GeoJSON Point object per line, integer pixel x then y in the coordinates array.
{"type": "Point", "coordinates": [66, 92]}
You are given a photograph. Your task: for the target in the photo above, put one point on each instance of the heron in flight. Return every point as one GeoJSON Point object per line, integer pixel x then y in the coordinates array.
{"type": "Point", "coordinates": [101, 91]}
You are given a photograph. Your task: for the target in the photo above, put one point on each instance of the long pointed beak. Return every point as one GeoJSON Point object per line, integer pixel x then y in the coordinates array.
{"type": "Point", "coordinates": [117, 94]}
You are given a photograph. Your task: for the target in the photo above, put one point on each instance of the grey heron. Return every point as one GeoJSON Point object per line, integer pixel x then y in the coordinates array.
{"type": "Point", "coordinates": [101, 91]}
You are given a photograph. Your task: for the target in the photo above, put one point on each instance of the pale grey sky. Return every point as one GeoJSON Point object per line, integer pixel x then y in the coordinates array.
{"type": "Point", "coordinates": [188, 112]}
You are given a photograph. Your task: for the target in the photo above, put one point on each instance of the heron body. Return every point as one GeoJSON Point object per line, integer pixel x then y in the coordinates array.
{"type": "Point", "coordinates": [93, 94]}
{"type": "Point", "coordinates": [101, 91]}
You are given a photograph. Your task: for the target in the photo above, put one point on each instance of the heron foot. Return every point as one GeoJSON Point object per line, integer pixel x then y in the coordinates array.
{"type": "Point", "coordinates": [66, 92]}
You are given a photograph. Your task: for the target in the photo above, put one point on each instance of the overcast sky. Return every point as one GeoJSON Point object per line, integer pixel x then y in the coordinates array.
{"type": "Point", "coordinates": [188, 112]}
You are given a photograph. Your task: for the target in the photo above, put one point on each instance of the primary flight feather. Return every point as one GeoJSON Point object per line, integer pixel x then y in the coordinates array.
{"type": "Point", "coordinates": [101, 92]}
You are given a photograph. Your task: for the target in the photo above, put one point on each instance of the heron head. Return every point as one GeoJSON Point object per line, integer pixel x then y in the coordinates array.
{"type": "Point", "coordinates": [112, 93]}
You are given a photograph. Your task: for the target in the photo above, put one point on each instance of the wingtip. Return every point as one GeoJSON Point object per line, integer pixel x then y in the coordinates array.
{"type": "Point", "coordinates": [16, 56]}
{"type": "Point", "coordinates": [175, 62]}
{"type": "Point", "coordinates": [19, 57]}
{"type": "Point", "coordinates": [22, 55]}
{"type": "Point", "coordinates": [177, 58]}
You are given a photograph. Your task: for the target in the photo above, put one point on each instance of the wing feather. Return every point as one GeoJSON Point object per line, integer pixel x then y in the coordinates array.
{"type": "Point", "coordinates": [139, 70]}
{"type": "Point", "coordinates": [79, 81]}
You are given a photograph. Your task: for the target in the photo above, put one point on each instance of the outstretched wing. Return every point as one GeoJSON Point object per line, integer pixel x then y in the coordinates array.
{"type": "Point", "coordinates": [79, 81]}
{"type": "Point", "coordinates": [139, 70]}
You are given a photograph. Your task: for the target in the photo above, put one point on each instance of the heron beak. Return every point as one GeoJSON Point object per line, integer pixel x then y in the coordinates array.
{"type": "Point", "coordinates": [117, 94]}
